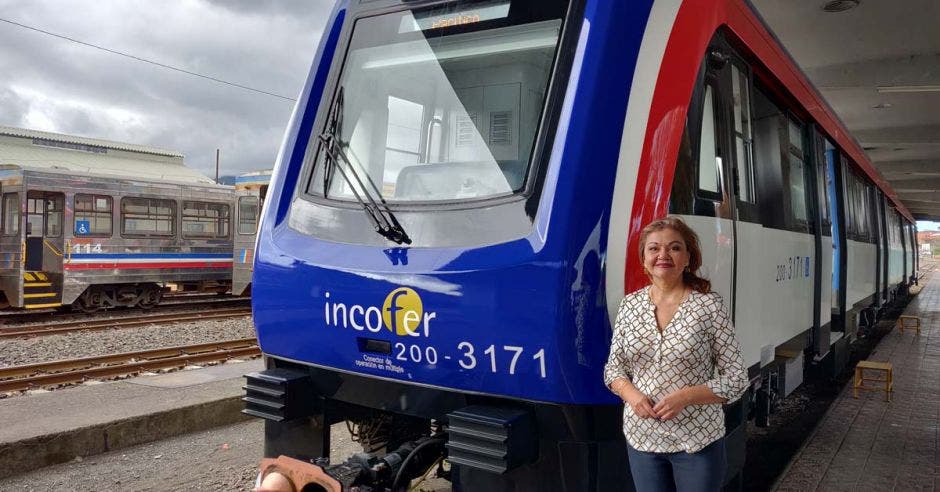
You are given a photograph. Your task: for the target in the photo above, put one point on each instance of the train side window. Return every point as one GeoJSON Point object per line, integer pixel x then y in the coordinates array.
{"type": "Point", "coordinates": [859, 210]}
{"type": "Point", "coordinates": [205, 220]}
{"type": "Point", "coordinates": [894, 228]}
{"type": "Point", "coordinates": [865, 200]}
{"type": "Point", "coordinates": [709, 161]}
{"type": "Point", "coordinates": [148, 217]}
{"type": "Point", "coordinates": [797, 177]}
{"type": "Point", "coordinates": [247, 214]}
{"type": "Point", "coordinates": [769, 126]}
{"type": "Point", "coordinates": [97, 210]}
{"type": "Point", "coordinates": [743, 138]}
{"type": "Point", "coordinates": [871, 210]}
{"type": "Point", "coordinates": [851, 202]}
{"type": "Point", "coordinates": [825, 182]}
{"type": "Point", "coordinates": [53, 216]}
{"type": "Point", "coordinates": [11, 214]}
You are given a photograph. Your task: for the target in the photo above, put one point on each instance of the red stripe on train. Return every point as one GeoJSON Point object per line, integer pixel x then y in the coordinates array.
{"type": "Point", "coordinates": [127, 266]}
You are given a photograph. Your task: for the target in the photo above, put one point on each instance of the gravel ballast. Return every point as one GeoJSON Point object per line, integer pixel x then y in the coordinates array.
{"type": "Point", "coordinates": [15, 352]}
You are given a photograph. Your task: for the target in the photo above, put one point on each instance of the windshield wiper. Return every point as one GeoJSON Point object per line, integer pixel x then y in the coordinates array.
{"type": "Point", "coordinates": [329, 138]}
{"type": "Point", "coordinates": [378, 213]}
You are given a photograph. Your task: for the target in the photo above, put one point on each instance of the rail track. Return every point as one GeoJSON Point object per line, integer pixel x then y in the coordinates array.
{"type": "Point", "coordinates": [71, 371]}
{"type": "Point", "coordinates": [116, 323]}
{"type": "Point", "coordinates": [188, 303]}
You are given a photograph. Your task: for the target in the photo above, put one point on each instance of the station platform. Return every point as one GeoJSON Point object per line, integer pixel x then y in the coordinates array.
{"type": "Point", "coordinates": [871, 444]}
{"type": "Point", "coordinates": [45, 428]}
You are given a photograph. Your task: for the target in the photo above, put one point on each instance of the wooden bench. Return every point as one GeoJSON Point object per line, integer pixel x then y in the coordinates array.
{"type": "Point", "coordinates": [902, 323]}
{"type": "Point", "coordinates": [888, 380]}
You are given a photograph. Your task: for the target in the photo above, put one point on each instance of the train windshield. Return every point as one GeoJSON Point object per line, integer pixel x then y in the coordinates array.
{"type": "Point", "coordinates": [441, 104]}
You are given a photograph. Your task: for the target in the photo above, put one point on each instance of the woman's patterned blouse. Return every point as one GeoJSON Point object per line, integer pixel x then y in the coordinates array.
{"type": "Point", "coordinates": [698, 346]}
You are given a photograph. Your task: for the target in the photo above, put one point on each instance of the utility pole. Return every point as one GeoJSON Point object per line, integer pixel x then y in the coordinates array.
{"type": "Point", "coordinates": [217, 165]}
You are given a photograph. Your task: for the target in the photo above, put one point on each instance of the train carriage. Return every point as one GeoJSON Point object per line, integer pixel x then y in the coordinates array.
{"type": "Point", "coordinates": [454, 217]}
{"type": "Point", "coordinates": [97, 224]}
{"type": "Point", "coordinates": [250, 191]}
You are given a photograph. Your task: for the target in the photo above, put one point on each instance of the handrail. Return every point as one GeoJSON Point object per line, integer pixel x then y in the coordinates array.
{"type": "Point", "coordinates": [23, 252]}
{"type": "Point", "coordinates": [68, 249]}
{"type": "Point", "coordinates": [52, 247]}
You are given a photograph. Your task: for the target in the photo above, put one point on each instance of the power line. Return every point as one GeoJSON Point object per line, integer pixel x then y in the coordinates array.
{"type": "Point", "coordinates": [133, 57]}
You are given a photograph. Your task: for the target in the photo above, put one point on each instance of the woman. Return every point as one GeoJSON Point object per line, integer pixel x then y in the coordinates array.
{"type": "Point", "coordinates": [674, 360]}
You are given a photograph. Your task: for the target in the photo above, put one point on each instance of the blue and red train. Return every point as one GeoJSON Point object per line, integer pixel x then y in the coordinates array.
{"type": "Point", "coordinates": [453, 220]}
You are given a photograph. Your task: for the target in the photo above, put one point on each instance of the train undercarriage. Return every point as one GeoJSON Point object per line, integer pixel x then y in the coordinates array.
{"type": "Point", "coordinates": [141, 295]}
{"type": "Point", "coordinates": [406, 432]}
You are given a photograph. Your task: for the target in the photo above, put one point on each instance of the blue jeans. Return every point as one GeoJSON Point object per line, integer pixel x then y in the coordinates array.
{"type": "Point", "coordinates": [680, 472]}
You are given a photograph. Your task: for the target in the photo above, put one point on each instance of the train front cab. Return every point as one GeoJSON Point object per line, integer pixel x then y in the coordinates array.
{"type": "Point", "coordinates": [502, 293]}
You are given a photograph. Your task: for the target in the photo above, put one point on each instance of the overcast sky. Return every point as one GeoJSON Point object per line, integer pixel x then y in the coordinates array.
{"type": "Point", "coordinates": [60, 86]}
{"type": "Point", "coordinates": [926, 225]}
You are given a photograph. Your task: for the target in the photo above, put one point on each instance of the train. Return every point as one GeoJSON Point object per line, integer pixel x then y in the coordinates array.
{"type": "Point", "coordinates": [453, 220]}
{"type": "Point", "coordinates": [92, 224]}
{"type": "Point", "coordinates": [250, 191]}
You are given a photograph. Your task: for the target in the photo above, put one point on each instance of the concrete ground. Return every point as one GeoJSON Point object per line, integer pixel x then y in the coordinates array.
{"type": "Point", "coordinates": [46, 428]}
{"type": "Point", "coordinates": [870, 444]}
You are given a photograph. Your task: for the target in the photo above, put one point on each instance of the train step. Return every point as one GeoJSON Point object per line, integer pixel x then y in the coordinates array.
{"type": "Point", "coordinates": [35, 276]}
{"type": "Point", "coordinates": [40, 291]}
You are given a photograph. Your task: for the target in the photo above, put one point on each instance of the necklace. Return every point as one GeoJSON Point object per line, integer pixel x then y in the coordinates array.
{"type": "Point", "coordinates": [660, 297]}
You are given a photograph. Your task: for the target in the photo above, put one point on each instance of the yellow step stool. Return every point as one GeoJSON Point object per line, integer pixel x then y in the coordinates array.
{"type": "Point", "coordinates": [871, 365]}
{"type": "Point", "coordinates": [902, 323]}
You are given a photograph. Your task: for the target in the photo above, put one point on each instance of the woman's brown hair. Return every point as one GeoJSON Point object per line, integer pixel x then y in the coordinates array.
{"type": "Point", "coordinates": [689, 276]}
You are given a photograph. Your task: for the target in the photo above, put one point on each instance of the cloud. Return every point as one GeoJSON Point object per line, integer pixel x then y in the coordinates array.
{"type": "Point", "coordinates": [56, 85]}
{"type": "Point", "coordinates": [298, 8]}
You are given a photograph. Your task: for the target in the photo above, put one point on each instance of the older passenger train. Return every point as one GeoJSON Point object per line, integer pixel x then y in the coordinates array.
{"type": "Point", "coordinates": [97, 224]}
{"type": "Point", "coordinates": [250, 190]}
{"type": "Point", "coordinates": [453, 220]}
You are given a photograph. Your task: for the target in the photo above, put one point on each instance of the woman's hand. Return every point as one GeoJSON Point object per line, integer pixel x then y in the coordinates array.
{"type": "Point", "coordinates": [641, 404]}
{"type": "Point", "coordinates": [671, 405]}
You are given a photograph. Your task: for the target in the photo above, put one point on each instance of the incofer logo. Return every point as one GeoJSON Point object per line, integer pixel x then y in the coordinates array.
{"type": "Point", "coordinates": [402, 313]}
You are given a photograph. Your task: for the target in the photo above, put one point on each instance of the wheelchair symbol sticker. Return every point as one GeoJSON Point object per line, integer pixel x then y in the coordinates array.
{"type": "Point", "coordinates": [82, 227]}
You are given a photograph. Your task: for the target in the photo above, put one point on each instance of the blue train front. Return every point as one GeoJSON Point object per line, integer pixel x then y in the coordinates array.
{"type": "Point", "coordinates": [430, 258]}
{"type": "Point", "coordinates": [454, 214]}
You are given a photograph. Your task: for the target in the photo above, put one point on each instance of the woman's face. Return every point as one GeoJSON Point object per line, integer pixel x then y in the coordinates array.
{"type": "Point", "coordinates": [665, 255]}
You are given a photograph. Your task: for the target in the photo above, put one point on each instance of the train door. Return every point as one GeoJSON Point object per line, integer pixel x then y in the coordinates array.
{"type": "Point", "coordinates": [905, 247]}
{"type": "Point", "coordinates": [822, 229]}
{"type": "Point", "coordinates": [702, 188]}
{"type": "Point", "coordinates": [725, 197]}
{"type": "Point", "coordinates": [44, 231]}
{"type": "Point", "coordinates": [713, 209]}
{"type": "Point", "coordinates": [880, 229]}
{"type": "Point", "coordinates": [727, 192]}
{"type": "Point", "coordinates": [250, 202]}
{"type": "Point", "coordinates": [834, 170]}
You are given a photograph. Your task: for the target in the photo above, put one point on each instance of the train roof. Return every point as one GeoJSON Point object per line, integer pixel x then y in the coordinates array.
{"type": "Point", "coordinates": [253, 179]}
{"type": "Point", "coordinates": [771, 52]}
{"type": "Point", "coordinates": [53, 152]}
